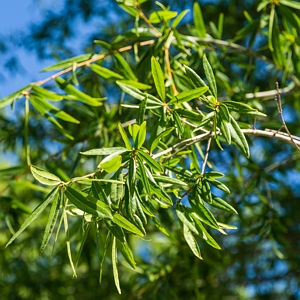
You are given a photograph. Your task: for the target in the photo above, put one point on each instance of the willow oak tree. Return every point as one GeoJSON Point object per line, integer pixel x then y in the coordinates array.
{"type": "Point", "coordinates": [152, 134]}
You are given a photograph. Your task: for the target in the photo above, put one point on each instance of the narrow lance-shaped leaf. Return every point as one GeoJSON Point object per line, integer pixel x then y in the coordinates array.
{"type": "Point", "coordinates": [124, 223]}
{"type": "Point", "coordinates": [271, 24]}
{"type": "Point", "coordinates": [210, 76]}
{"type": "Point", "coordinates": [238, 137]}
{"type": "Point", "coordinates": [141, 111]}
{"type": "Point", "coordinates": [194, 77]}
{"type": "Point", "coordinates": [198, 21]}
{"type": "Point", "coordinates": [191, 241]}
{"type": "Point", "coordinates": [124, 137]}
{"type": "Point", "coordinates": [11, 98]}
{"type": "Point", "coordinates": [44, 176]}
{"type": "Point", "coordinates": [39, 91]}
{"type": "Point", "coordinates": [127, 254]}
{"type": "Point", "coordinates": [105, 73]}
{"type": "Point", "coordinates": [50, 223]}
{"type": "Point", "coordinates": [37, 211]}
{"type": "Point", "coordinates": [123, 64]}
{"type": "Point", "coordinates": [223, 205]}
{"type": "Point", "coordinates": [114, 265]}
{"type": "Point", "coordinates": [68, 244]}
{"type": "Point", "coordinates": [80, 96]}
{"type": "Point", "coordinates": [88, 204]}
{"type": "Point", "coordinates": [105, 151]}
{"type": "Point", "coordinates": [189, 95]}
{"type": "Point", "coordinates": [149, 161]}
{"type": "Point", "coordinates": [179, 18]}
{"type": "Point", "coordinates": [143, 176]}
{"type": "Point", "coordinates": [158, 78]}
{"type": "Point", "coordinates": [68, 62]}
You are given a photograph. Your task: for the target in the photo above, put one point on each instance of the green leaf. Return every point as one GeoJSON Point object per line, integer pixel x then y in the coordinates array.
{"type": "Point", "coordinates": [169, 180]}
{"type": "Point", "coordinates": [124, 223]}
{"type": "Point", "coordinates": [238, 137]}
{"type": "Point", "coordinates": [14, 96]}
{"type": "Point", "coordinates": [114, 265]}
{"type": "Point", "coordinates": [68, 244]}
{"type": "Point", "coordinates": [141, 111]}
{"type": "Point", "coordinates": [179, 18]}
{"type": "Point", "coordinates": [135, 84]}
{"type": "Point", "coordinates": [223, 205]}
{"type": "Point", "coordinates": [105, 151]}
{"type": "Point", "coordinates": [47, 109]}
{"type": "Point", "coordinates": [205, 191]}
{"type": "Point", "coordinates": [141, 135]}
{"type": "Point", "coordinates": [178, 122]}
{"type": "Point", "coordinates": [292, 4]}
{"type": "Point", "coordinates": [188, 95]}
{"type": "Point", "coordinates": [271, 24]}
{"type": "Point", "coordinates": [127, 254]}
{"type": "Point", "coordinates": [39, 91]}
{"type": "Point", "coordinates": [150, 161]}
{"type": "Point", "coordinates": [159, 226]}
{"type": "Point", "coordinates": [68, 62]}
{"type": "Point", "coordinates": [125, 67]}
{"type": "Point", "coordinates": [194, 77]}
{"type": "Point", "coordinates": [158, 78]}
{"type": "Point", "coordinates": [206, 236]}
{"type": "Point", "coordinates": [160, 195]}
{"type": "Point", "coordinates": [160, 136]}
{"type": "Point", "coordinates": [129, 9]}
{"type": "Point", "coordinates": [164, 15]}
{"type": "Point", "coordinates": [137, 94]}
{"type": "Point", "coordinates": [212, 175]}
{"type": "Point", "coordinates": [262, 5]}
{"type": "Point", "coordinates": [111, 163]}
{"type": "Point", "coordinates": [116, 230]}
{"type": "Point", "coordinates": [37, 211]}
{"type": "Point", "coordinates": [210, 76]}
{"type": "Point", "coordinates": [198, 21]}
{"type": "Point", "coordinates": [78, 95]}
{"type": "Point", "coordinates": [203, 213]}
{"type": "Point", "coordinates": [44, 176]}
{"type": "Point", "coordinates": [219, 185]}
{"type": "Point", "coordinates": [278, 54]}
{"type": "Point", "coordinates": [50, 223]}
{"type": "Point", "coordinates": [185, 218]}
{"type": "Point", "coordinates": [191, 241]}
{"type": "Point", "coordinates": [88, 204]}
{"type": "Point", "coordinates": [105, 73]}
{"type": "Point", "coordinates": [124, 137]}
{"type": "Point", "coordinates": [143, 176]}
{"type": "Point", "coordinates": [220, 25]}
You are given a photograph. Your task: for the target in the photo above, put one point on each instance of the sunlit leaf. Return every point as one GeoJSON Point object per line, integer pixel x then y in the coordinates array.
{"type": "Point", "coordinates": [158, 78]}
{"type": "Point", "coordinates": [44, 176]}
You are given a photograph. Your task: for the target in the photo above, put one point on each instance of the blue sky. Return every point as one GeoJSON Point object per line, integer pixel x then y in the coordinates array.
{"type": "Point", "coordinates": [15, 16]}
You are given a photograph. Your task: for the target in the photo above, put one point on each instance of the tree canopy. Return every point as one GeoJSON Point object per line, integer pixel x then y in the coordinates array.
{"type": "Point", "coordinates": [161, 162]}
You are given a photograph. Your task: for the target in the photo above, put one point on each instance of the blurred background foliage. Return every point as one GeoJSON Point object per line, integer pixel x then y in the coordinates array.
{"type": "Point", "coordinates": [260, 260]}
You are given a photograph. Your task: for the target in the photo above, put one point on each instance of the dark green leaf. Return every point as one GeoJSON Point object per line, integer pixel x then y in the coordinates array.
{"type": "Point", "coordinates": [37, 211]}
{"type": "Point", "coordinates": [158, 78]}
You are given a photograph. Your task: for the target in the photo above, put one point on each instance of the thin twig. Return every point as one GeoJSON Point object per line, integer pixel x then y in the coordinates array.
{"type": "Point", "coordinates": [169, 71]}
{"type": "Point", "coordinates": [93, 59]}
{"type": "Point", "coordinates": [142, 15]}
{"type": "Point", "coordinates": [280, 163]}
{"type": "Point", "coordinates": [279, 107]}
{"type": "Point", "coordinates": [206, 155]}
{"type": "Point", "coordinates": [189, 142]}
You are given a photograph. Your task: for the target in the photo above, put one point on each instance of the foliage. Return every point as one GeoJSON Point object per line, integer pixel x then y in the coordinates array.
{"type": "Point", "coordinates": [147, 143]}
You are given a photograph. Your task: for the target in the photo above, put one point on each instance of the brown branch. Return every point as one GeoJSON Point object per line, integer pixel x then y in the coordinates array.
{"type": "Point", "coordinates": [93, 59]}
{"type": "Point", "coordinates": [142, 15]}
{"type": "Point", "coordinates": [279, 107]}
